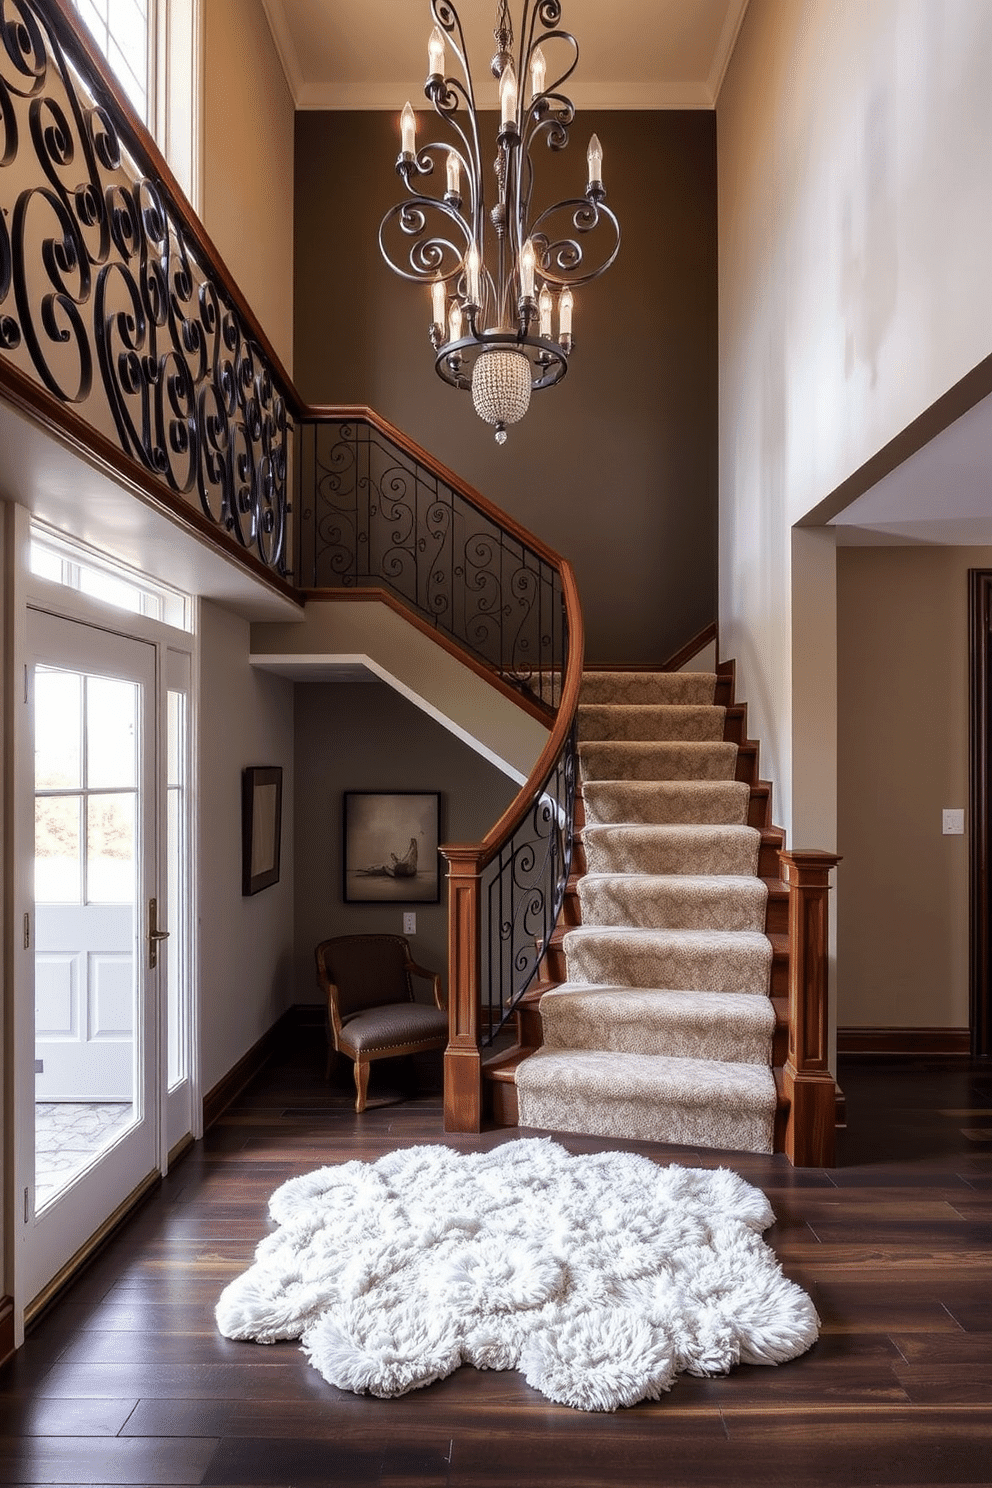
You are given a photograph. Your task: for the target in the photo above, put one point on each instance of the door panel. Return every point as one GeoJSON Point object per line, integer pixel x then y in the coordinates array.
{"type": "Point", "coordinates": [96, 1044]}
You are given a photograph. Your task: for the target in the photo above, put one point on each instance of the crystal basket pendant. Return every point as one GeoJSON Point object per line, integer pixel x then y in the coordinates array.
{"type": "Point", "coordinates": [501, 388]}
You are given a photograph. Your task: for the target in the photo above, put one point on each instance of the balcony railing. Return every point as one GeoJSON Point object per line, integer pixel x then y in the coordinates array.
{"type": "Point", "coordinates": [119, 325]}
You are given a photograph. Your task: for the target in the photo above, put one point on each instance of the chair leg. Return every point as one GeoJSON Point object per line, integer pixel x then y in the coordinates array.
{"type": "Point", "coordinates": [361, 1083]}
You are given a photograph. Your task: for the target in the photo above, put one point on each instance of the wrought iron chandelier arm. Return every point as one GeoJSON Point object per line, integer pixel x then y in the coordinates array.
{"type": "Point", "coordinates": [562, 258]}
{"type": "Point", "coordinates": [429, 257]}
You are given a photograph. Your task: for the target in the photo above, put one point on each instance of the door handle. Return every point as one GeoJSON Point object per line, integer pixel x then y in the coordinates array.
{"type": "Point", "coordinates": [154, 934]}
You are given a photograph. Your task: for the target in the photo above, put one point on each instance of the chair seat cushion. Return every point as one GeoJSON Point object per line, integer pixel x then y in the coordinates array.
{"type": "Point", "coordinates": [377, 1030]}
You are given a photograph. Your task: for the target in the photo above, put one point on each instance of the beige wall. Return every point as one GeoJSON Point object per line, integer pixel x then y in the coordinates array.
{"type": "Point", "coordinates": [902, 662]}
{"type": "Point", "coordinates": [855, 209]}
{"type": "Point", "coordinates": [365, 736]}
{"type": "Point", "coordinates": [245, 944]}
{"type": "Point", "coordinates": [248, 162]}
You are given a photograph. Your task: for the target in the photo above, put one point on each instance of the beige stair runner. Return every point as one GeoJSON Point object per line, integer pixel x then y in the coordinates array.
{"type": "Point", "coordinates": [663, 1029]}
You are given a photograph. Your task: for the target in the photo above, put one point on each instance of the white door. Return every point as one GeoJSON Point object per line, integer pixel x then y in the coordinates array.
{"type": "Point", "coordinates": [92, 695]}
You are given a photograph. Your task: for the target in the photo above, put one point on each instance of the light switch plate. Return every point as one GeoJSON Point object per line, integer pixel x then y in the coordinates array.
{"type": "Point", "coordinates": [410, 921]}
{"type": "Point", "coordinates": [953, 818]}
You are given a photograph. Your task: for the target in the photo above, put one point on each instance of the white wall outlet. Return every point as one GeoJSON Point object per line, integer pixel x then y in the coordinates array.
{"type": "Point", "coordinates": [953, 819]}
{"type": "Point", "coordinates": [410, 920]}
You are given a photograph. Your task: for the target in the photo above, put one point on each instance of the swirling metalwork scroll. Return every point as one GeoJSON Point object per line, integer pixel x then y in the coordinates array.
{"type": "Point", "coordinates": [523, 891]}
{"type": "Point", "coordinates": [375, 516]}
{"type": "Point", "coordinates": [111, 305]}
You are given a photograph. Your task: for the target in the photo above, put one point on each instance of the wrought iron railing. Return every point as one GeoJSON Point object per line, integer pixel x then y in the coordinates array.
{"type": "Point", "coordinates": [115, 308]}
{"type": "Point", "coordinates": [523, 888]}
{"type": "Point", "coordinates": [377, 512]}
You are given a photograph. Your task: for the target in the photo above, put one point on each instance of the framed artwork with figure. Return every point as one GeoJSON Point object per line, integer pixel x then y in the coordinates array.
{"type": "Point", "coordinates": [391, 847]}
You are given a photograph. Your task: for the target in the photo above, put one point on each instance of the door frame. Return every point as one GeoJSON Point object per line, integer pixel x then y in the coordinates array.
{"type": "Point", "coordinates": [29, 591]}
{"type": "Point", "coordinates": [980, 810]}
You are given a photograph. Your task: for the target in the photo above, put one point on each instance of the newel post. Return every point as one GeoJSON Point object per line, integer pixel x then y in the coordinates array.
{"type": "Point", "coordinates": [809, 1085]}
{"type": "Point", "coordinates": [462, 1059]}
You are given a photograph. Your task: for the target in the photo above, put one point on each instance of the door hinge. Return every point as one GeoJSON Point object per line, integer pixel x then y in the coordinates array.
{"type": "Point", "coordinates": [25, 681]}
{"type": "Point", "coordinates": [27, 930]}
{"type": "Point", "coordinates": [27, 1206]}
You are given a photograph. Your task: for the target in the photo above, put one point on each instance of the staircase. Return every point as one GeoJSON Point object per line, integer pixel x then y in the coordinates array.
{"type": "Point", "coordinates": [662, 1013]}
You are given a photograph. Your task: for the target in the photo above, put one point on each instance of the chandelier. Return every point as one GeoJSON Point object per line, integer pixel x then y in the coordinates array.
{"type": "Point", "coordinates": [501, 279]}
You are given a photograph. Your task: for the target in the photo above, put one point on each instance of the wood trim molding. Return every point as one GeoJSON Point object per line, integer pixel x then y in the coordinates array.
{"type": "Point", "coordinates": [230, 1086]}
{"type": "Point", "coordinates": [692, 648]}
{"type": "Point", "coordinates": [6, 1328]}
{"type": "Point", "coordinates": [903, 1041]}
{"type": "Point", "coordinates": [979, 810]}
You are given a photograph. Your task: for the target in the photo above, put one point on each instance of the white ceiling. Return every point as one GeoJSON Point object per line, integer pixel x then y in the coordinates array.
{"type": "Point", "coordinates": [940, 495]}
{"type": "Point", "coordinates": [372, 54]}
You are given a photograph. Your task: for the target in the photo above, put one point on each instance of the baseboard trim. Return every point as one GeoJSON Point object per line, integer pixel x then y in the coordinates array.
{"type": "Point", "coordinates": [88, 1251]}
{"type": "Point", "coordinates": [230, 1086]}
{"type": "Point", "coordinates": [6, 1329]}
{"type": "Point", "coordinates": [903, 1041]}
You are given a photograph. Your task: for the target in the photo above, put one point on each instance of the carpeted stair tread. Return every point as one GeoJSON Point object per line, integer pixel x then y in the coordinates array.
{"type": "Point", "coordinates": [660, 802]}
{"type": "Point", "coordinates": [647, 1097]}
{"type": "Point", "coordinates": [729, 1026]}
{"type": "Point", "coordinates": [680, 901]}
{"type": "Point", "coordinates": [683, 960]}
{"type": "Point", "coordinates": [648, 687]}
{"type": "Point", "coordinates": [669, 848]}
{"type": "Point", "coordinates": [649, 759]}
{"type": "Point", "coordinates": [660, 721]}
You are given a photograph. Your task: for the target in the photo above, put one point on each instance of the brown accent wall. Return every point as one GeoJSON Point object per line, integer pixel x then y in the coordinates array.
{"type": "Point", "coordinates": [364, 736]}
{"type": "Point", "coordinates": [616, 468]}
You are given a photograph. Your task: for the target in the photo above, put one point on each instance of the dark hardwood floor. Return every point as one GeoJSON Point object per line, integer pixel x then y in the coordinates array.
{"type": "Point", "coordinates": [127, 1381]}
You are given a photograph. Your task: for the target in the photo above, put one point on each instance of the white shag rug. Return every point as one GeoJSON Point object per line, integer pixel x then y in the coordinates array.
{"type": "Point", "coordinates": [600, 1277]}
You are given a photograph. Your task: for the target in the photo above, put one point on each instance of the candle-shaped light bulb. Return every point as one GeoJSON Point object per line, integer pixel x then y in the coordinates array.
{"type": "Point", "coordinates": [455, 322]}
{"type": "Point", "coordinates": [538, 73]}
{"type": "Point", "coordinates": [566, 303]}
{"type": "Point", "coordinates": [437, 301]}
{"type": "Point", "coordinates": [594, 156]}
{"type": "Point", "coordinates": [454, 170]}
{"type": "Point", "coordinates": [408, 127]}
{"type": "Point", "coordinates": [508, 96]}
{"type": "Point", "coordinates": [472, 275]}
{"type": "Point", "coordinates": [435, 52]}
{"type": "Point", "coordinates": [545, 304]}
{"type": "Point", "coordinates": [528, 263]}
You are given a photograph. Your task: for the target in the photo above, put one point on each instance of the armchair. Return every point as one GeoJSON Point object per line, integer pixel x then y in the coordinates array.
{"type": "Point", "coordinates": [371, 1010]}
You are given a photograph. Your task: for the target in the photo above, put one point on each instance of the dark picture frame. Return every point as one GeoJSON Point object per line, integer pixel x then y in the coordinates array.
{"type": "Point", "coordinates": [390, 847]}
{"type": "Point", "coordinates": [261, 826]}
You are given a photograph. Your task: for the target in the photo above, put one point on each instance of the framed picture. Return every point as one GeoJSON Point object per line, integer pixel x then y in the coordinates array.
{"type": "Point", "coordinates": [390, 847]}
{"type": "Point", "coordinates": [261, 826]}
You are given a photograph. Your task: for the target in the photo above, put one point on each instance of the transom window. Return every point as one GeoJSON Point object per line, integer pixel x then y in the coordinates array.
{"type": "Point", "coordinates": [67, 562]}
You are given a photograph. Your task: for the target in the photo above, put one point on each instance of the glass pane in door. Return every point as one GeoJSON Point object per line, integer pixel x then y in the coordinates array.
{"type": "Point", "coordinates": [86, 895]}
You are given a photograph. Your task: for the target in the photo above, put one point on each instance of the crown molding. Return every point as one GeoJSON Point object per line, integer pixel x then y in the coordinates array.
{"type": "Point", "coordinates": [282, 37]}
{"type": "Point", "coordinates": [725, 48]}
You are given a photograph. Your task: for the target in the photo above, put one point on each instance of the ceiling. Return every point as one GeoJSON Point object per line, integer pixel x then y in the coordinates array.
{"type": "Point", "coordinates": [372, 54]}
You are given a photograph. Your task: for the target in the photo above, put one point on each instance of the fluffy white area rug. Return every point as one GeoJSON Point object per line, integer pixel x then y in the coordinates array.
{"type": "Point", "coordinates": [599, 1277]}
